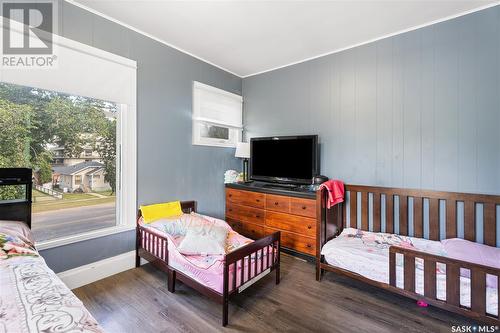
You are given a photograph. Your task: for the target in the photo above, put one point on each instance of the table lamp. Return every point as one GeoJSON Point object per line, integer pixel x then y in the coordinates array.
{"type": "Point", "coordinates": [243, 151]}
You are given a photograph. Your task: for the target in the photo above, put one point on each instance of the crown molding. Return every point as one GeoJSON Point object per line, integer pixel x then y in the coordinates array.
{"type": "Point", "coordinates": [159, 40]}
{"type": "Point", "coordinates": [447, 18]}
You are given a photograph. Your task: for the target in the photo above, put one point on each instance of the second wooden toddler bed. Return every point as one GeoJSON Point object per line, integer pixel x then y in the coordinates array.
{"type": "Point", "coordinates": [218, 277]}
{"type": "Point", "coordinates": [409, 242]}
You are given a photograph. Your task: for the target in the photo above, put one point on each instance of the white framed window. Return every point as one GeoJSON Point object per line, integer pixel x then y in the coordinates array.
{"type": "Point", "coordinates": [217, 116]}
{"type": "Point", "coordinates": [89, 72]}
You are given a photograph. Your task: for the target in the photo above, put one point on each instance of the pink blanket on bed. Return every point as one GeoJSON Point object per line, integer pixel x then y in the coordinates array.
{"type": "Point", "coordinates": [209, 269]}
{"type": "Point", "coordinates": [475, 253]}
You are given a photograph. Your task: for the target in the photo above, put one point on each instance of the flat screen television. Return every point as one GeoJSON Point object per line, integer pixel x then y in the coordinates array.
{"type": "Point", "coordinates": [284, 159]}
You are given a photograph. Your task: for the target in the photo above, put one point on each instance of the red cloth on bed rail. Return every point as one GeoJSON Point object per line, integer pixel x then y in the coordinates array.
{"type": "Point", "coordinates": [335, 190]}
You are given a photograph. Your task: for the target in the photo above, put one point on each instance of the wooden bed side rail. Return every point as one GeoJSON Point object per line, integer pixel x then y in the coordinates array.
{"type": "Point", "coordinates": [261, 255]}
{"type": "Point", "coordinates": [252, 247]}
{"type": "Point", "coordinates": [453, 266]}
{"type": "Point", "coordinates": [155, 245]}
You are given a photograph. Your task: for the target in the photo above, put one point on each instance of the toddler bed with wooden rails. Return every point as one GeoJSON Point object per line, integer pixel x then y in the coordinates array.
{"type": "Point", "coordinates": [219, 276]}
{"type": "Point", "coordinates": [439, 248]}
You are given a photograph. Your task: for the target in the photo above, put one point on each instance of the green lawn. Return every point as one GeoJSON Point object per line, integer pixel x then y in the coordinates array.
{"type": "Point", "coordinates": [43, 202]}
{"type": "Point", "coordinates": [107, 193]}
{"type": "Point", "coordinates": [38, 194]}
{"type": "Point", "coordinates": [77, 196]}
{"type": "Point", "coordinates": [39, 197]}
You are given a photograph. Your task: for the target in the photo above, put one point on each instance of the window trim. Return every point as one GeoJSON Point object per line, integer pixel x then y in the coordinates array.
{"type": "Point", "coordinates": [198, 140]}
{"type": "Point", "coordinates": [235, 130]}
{"type": "Point", "coordinates": [126, 169]}
{"type": "Point", "coordinates": [126, 200]}
{"type": "Point", "coordinates": [56, 242]}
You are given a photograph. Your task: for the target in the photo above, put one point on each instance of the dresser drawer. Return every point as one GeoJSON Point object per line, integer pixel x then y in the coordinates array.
{"type": "Point", "coordinates": [249, 230]}
{"type": "Point", "coordinates": [245, 213]}
{"type": "Point", "coordinates": [278, 203]}
{"type": "Point", "coordinates": [296, 242]}
{"type": "Point", "coordinates": [303, 207]}
{"type": "Point", "coordinates": [298, 224]}
{"type": "Point", "coordinates": [246, 198]}
{"type": "Point", "coordinates": [233, 224]}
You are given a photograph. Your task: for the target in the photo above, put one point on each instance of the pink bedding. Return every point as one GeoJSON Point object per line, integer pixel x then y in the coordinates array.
{"type": "Point", "coordinates": [17, 229]}
{"type": "Point", "coordinates": [209, 269]}
{"type": "Point", "coordinates": [473, 252]}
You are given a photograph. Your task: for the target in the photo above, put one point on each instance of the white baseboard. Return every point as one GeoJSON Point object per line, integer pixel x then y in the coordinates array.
{"type": "Point", "coordinates": [98, 270]}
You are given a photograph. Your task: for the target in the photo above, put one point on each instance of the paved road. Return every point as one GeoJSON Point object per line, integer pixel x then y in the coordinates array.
{"type": "Point", "coordinates": [71, 221]}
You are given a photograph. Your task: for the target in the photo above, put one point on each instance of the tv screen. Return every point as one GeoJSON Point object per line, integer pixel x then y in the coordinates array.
{"type": "Point", "coordinates": [287, 159]}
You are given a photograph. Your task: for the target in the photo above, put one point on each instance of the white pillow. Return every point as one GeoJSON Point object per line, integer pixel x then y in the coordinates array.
{"type": "Point", "coordinates": [205, 239]}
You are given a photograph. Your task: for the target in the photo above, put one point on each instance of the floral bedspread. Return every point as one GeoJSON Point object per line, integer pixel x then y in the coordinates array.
{"type": "Point", "coordinates": [33, 298]}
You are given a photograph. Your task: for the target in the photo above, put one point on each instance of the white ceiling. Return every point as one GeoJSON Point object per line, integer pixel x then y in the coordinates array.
{"type": "Point", "coordinates": [249, 37]}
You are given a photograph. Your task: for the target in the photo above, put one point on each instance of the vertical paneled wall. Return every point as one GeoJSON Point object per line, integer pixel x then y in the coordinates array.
{"type": "Point", "coordinates": [169, 166]}
{"type": "Point", "coordinates": [417, 110]}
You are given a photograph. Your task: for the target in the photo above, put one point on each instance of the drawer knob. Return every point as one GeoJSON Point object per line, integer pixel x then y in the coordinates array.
{"type": "Point", "coordinates": [304, 207]}
{"type": "Point", "coordinates": [276, 203]}
{"type": "Point", "coordinates": [230, 195]}
{"type": "Point", "coordinates": [308, 245]}
{"type": "Point", "coordinates": [309, 227]}
{"type": "Point", "coordinates": [257, 216]}
{"type": "Point", "coordinates": [257, 200]}
{"type": "Point", "coordinates": [230, 209]}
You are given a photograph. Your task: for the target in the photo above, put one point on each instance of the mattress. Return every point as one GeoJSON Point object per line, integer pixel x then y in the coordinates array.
{"type": "Point", "coordinates": [16, 228]}
{"type": "Point", "coordinates": [367, 254]}
{"type": "Point", "coordinates": [32, 297]}
{"type": "Point", "coordinates": [208, 270]}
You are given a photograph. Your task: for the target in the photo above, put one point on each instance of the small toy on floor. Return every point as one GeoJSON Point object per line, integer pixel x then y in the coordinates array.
{"type": "Point", "coordinates": [422, 303]}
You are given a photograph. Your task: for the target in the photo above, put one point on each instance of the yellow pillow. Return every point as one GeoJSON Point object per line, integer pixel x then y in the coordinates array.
{"type": "Point", "coordinates": [155, 212]}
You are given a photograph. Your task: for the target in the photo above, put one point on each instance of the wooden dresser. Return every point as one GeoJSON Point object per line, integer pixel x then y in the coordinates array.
{"type": "Point", "coordinates": [257, 212]}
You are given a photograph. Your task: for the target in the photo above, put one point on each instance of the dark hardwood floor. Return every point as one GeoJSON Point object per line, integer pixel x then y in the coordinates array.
{"type": "Point", "coordinates": [138, 301]}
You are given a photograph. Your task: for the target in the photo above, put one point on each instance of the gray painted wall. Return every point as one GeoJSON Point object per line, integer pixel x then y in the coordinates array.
{"type": "Point", "coordinates": [418, 110]}
{"type": "Point", "coordinates": [169, 167]}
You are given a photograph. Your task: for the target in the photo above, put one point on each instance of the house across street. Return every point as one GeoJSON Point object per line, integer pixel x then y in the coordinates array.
{"type": "Point", "coordinates": [87, 176]}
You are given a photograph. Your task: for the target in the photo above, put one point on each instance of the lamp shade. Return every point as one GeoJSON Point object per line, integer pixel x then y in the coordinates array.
{"type": "Point", "coordinates": [242, 150]}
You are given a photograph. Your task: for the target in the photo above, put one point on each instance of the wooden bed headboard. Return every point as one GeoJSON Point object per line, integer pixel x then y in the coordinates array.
{"type": "Point", "coordinates": [422, 213]}
{"type": "Point", "coordinates": [18, 209]}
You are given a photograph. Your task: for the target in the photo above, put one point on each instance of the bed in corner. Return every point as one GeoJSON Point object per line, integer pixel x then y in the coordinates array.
{"type": "Point", "coordinates": [32, 297]}
{"type": "Point", "coordinates": [224, 276]}
{"type": "Point", "coordinates": [396, 244]}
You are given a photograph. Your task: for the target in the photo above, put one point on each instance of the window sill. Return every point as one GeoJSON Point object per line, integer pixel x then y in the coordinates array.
{"type": "Point", "coordinates": [82, 237]}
